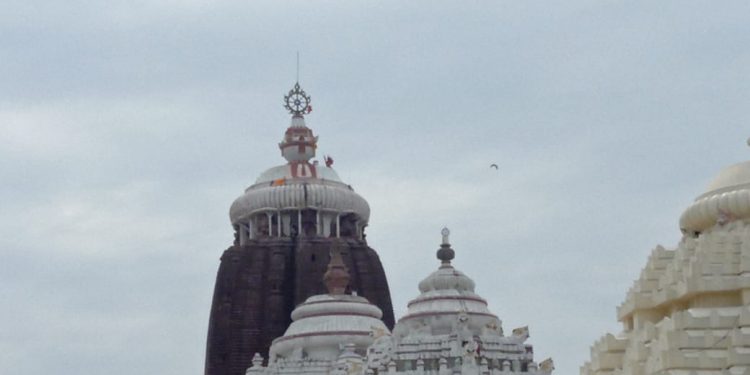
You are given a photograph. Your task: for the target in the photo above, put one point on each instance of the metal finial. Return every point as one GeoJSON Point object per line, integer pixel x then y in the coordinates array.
{"type": "Point", "coordinates": [297, 102]}
{"type": "Point", "coordinates": [445, 253]}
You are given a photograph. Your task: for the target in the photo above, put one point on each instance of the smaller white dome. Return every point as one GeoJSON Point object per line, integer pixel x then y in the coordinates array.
{"type": "Point", "coordinates": [324, 322]}
{"type": "Point", "coordinates": [446, 278]}
{"type": "Point", "coordinates": [445, 295]}
{"type": "Point", "coordinates": [320, 305]}
{"type": "Point", "coordinates": [726, 198]}
{"type": "Point", "coordinates": [730, 178]}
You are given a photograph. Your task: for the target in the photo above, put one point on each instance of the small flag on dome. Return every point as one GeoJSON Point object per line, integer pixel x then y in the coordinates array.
{"type": "Point", "coordinates": [278, 182]}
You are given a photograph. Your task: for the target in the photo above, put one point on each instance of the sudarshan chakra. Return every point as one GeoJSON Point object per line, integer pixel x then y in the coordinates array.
{"type": "Point", "coordinates": [297, 102]}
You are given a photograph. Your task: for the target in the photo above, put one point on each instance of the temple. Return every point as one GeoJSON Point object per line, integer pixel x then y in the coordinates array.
{"type": "Point", "coordinates": [285, 225]}
{"type": "Point", "coordinates": [689, 312]}
{"type": "Point", "coordinates": [447, 330]}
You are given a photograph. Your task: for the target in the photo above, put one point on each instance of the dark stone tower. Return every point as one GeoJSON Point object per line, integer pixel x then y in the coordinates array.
{"type": "Point", "coordinates": [285, 226]}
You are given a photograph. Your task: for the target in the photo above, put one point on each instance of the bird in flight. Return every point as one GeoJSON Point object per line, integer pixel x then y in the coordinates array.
{"type": "Point", "coordinates": [494, 166]}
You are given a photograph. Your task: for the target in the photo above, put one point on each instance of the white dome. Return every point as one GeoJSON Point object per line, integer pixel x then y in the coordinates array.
{"type": "Point", "coordinates": [344, 303]}
{"type": "Point", "coordinates": [285, 172]}
{"type": "Point", "coordinates": [324, 195]}
{"type": "Point", "coordinates": [324, 322]}
{"type": "Point", "coordinates": [726, 198]}
{"type": "Point", "coordinates": [731, 178]}
{"type": "Point", "coordinates": [446, 278]}
{"type": "Point", "coordinates": [445, 295]}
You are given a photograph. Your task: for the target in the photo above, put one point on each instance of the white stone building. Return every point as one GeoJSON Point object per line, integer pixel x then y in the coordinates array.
{"type": "Point", "coordinates": [689, 312]}
{"type": "Point", "coordinates": [447, 330]}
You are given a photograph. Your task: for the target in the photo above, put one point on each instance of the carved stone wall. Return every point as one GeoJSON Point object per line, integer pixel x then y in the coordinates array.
{"type": "Point", "coordinates": [689, 312]}
{"type": "Point", "coordinates": [259, 284]}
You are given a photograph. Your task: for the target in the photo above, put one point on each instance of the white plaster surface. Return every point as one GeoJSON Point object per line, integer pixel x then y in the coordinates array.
{"type": "Point", "coordinates": [448, 330]}
{"type": "Point", "coordinates": [320, 195]}
{"type": "Point", "coordinates": [689, 312]}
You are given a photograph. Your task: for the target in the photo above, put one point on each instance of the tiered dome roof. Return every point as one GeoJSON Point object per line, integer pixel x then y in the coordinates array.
{"type": "Point", "coordinates": [446, 293]}
{"type": "Point", "coordinates": [300, 183]}
{"type": "Point", "coordinates": [323, 322]}
{"type": "Point", "coordinates": [726, 198]}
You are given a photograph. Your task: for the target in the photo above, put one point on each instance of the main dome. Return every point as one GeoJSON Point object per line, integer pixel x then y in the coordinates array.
{"type": "Point", "coordinates": [288, 173]}
{"type": "Point", "coordinates": [302, 197]}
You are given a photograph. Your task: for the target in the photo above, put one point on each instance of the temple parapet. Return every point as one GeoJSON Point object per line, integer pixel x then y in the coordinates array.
{"type": "Point", "coordinates": [689, 312]}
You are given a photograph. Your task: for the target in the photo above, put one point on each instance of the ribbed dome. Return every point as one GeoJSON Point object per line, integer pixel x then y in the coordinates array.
{"type": "Point", "coordinates": [446, 278]}
{"type": "Point", "coordinates": [323, 322]}
{"type": "Point", "coordinates": [445, 295]}
{"type": "Point", "coordinates": [726, 198]}
{"type": "Point", "coordinates": [301, 183]}
{"type": "Point", "coordinates": [325, 195]}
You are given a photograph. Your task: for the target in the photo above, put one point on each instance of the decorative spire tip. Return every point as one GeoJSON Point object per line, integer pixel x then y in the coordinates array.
{"type": "Point", "coordinates": [297, 102]}
{"type": "Point", "coordinates": [445, 253]}
{"type": "Point", "coordinates": [337, 276]}
{"type": "Point", "coordinates": [446, 235]}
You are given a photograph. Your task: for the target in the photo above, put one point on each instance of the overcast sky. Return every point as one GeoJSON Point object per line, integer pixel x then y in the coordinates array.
{"type": "Point", "coordinates": [127, 128]}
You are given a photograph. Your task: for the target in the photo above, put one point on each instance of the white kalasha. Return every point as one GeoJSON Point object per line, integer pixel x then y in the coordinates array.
{"type": "Point", "coordinates": [689, 312]}
{"type": "Point", "coordinates": [447, 330]}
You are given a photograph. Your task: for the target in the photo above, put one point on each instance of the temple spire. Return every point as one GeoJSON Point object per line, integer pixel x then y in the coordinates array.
{"type": "Point", "coordinates": [337, 276]}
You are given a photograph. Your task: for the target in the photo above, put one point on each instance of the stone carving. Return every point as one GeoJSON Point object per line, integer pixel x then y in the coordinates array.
{"type": "Point", "coordinates": [520, 334]}
{"type": "Point", "coordinates": [547, 365]}
{"type": "Point", "coordinates": [461, 327]}
{"type": "Point", "coordinates": [492, 329]}
{"type": "Point", "coordinates": [379, 353]}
